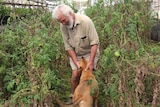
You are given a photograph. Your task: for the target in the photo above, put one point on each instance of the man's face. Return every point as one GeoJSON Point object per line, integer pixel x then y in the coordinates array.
{"type": "Point", "coordinates": [66, 20]}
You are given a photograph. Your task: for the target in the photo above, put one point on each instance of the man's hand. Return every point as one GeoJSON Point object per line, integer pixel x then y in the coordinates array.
{"type": "Point", "coordinates": [90, 66]}
{"type": "Point", "coordinates": [77, 64]}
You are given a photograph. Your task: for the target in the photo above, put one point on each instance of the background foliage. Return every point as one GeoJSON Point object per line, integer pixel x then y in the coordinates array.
{"type": "Point", "coordinates": [34, 66]}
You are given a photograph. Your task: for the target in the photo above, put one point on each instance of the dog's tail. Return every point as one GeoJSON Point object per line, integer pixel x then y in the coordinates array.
{"type": "Point", "coordinates": [61, 104]}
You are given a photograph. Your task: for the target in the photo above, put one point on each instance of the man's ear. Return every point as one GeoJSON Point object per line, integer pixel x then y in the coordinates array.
{"type": "Point", "coordinates": [72, 14]}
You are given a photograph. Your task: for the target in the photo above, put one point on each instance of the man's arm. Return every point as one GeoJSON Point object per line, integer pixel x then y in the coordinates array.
{"type": "Point", "coordinates": [90, 64]}
{"type": "Point", "coordinates": [72, 54]}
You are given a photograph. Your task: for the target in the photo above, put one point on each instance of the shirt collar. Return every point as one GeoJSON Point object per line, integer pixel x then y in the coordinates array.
{"type": "Point", "coordinates": [77, 20]}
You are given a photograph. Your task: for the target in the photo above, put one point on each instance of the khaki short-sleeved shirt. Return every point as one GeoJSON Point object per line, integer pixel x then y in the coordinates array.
{"type": "Point", "coordinates": [81, 37]}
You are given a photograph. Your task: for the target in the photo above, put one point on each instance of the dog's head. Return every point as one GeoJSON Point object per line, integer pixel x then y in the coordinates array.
{"type": "Point", "coordinates": [83, 63]}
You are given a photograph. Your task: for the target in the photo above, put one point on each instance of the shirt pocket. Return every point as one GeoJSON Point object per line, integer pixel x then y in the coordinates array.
{"type": "Point", "coordinates": [84, 41]}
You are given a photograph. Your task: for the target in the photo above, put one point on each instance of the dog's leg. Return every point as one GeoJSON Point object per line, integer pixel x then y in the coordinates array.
{"type": "Point", "coordinates": [85, 104]}
{"type": "Point", "coordinates": [82, 104]}
{"type": "Point", "coordinates": [77, 99]}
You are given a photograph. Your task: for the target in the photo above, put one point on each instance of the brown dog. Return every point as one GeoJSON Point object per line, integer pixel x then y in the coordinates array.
{"type": "Point", "coordinates": [86, 93]}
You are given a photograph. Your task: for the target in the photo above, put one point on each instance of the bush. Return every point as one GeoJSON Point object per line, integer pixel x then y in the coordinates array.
{"type": "Point", "coordinates": [34, 64]}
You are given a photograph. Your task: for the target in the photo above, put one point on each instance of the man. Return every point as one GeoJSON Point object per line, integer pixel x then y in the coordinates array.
{"type": "Point", "coordinates": [80, 40]}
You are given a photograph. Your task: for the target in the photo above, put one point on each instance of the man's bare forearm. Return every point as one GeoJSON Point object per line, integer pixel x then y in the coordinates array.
{"type": "Point", "coordinates": [93, 53]}
{"type": "Point", "coordinates": [72, 54]}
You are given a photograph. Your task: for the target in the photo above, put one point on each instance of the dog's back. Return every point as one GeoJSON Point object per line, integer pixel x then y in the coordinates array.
{"type": "Point", "coordinates": [87, 91]}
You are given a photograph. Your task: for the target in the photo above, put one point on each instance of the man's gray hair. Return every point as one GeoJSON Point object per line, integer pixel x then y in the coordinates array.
{"type": "Point", "coordinates": [65, 9]}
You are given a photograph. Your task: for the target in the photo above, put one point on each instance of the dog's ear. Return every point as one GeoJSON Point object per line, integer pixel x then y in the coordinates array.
{"type": "Point", "coordinates": [80, 69]}
{"type": "Point", "coordinates": [83, 63]}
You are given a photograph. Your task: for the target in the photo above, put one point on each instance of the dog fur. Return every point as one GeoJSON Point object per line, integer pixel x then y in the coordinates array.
{"type": "Point", "coordinates": [86, 93]}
